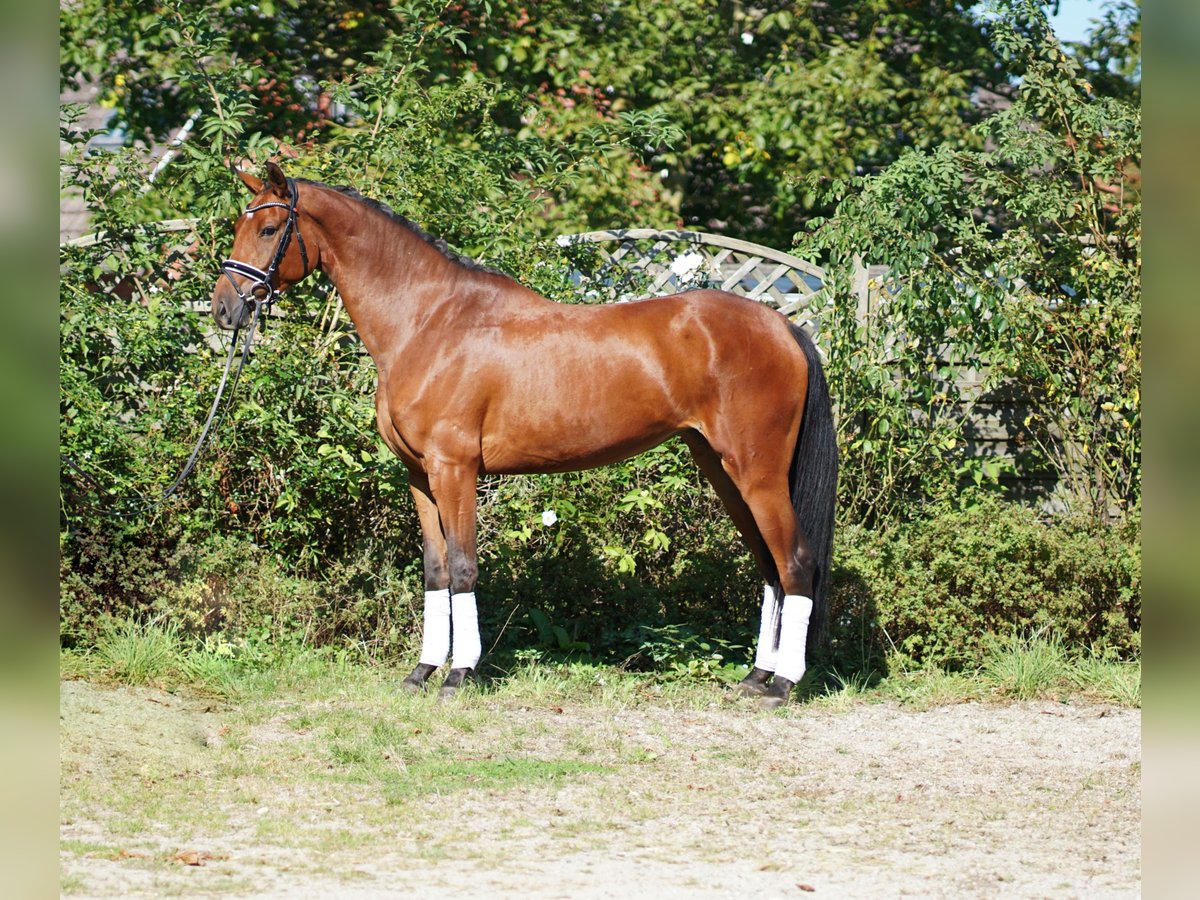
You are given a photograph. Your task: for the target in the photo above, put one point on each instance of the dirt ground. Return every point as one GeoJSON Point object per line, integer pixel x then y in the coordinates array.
{"type": "Point", "coordinates": [1038, 799]}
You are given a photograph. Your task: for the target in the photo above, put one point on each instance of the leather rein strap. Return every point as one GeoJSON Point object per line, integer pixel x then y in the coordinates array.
{"type": "Point", "coordinates": [258, 280]}
{"type": "Point", "coordinates": [261, 294]}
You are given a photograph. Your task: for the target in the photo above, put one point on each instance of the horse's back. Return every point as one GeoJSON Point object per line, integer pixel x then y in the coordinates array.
{"type": "Point", "coordinates": [679, 328]}
{"type": "Point", "coordinates": [716, 341]}
{"type": "Point", "coordinates": [590, 385]}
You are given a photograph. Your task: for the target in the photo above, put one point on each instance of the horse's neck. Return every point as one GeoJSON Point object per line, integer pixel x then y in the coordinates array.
{"type": "Point", "coordinates": [390, 279]}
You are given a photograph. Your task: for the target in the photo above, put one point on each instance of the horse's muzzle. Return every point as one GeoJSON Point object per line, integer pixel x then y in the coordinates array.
{"type": "Point", "coordinates": [229, 310]}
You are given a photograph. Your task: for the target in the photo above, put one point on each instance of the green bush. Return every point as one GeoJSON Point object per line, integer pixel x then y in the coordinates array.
{"type": "Point", "coordinates": [228, 588]}
{"type": "Point", "coordinates": [297, 528]}
{"type": "Point", "coordinates": [1020, 263]}
{"type": "Point", "coordinates": [107, 573]}
{"type": "Point", "coordinates": [935, 590]}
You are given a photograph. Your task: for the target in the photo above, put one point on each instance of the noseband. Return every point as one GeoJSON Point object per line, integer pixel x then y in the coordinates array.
{"type": "Point", "coordinates": [261, 280]}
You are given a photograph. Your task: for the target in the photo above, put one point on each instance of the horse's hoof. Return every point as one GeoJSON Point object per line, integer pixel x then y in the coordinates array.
{"type": "Point", "coordinates": [754, 684]}
{"type": "Point", "coordinates": [777, 694]}
{"type": "Point", "coordinates": [415, 682]}
{"type": "Point", "coordinates": [453, 682]}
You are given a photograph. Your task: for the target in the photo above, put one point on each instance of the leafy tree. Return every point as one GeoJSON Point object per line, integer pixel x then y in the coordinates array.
{"type": "Point", "coordinates": [765, 92]}
{"type": "Point", "coordinates": [157, 61]}
{"type": "Point", "coordinates": [1112, 52]}
{"type": "Point", "coordinates": [1022, 259]}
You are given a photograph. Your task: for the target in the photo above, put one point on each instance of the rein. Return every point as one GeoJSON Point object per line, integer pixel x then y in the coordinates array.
{"type": "Point", "coordinates": [212, 412]}
{"type": "Point", "coordinates": [152, 505]}
{"type": "Point", "coordinates": [260, 295]}
{"type": "Point", "coordinates": [258, 300]}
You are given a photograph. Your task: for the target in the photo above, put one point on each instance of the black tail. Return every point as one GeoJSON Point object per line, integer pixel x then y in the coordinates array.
{"type": "Point", "coordinates": [814, 482]}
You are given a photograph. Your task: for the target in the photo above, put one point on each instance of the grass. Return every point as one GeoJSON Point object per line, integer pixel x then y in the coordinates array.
{"type": "Point", "coordinates": [1025, 668]}
{"type": "Point", "coordinates": [1038, 666]}
{"type": "Point", "coordinates": [325, 761]}
{"type": "Point", "coordinates": [1014, 668]}
{"type": "Point", "coordinates": [1113, 682]}
{"type": "Point", "coordinates": [139, 654]}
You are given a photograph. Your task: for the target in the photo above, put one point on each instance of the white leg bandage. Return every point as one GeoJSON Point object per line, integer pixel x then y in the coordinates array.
{"type": "Point", "coordinates": [764, 654]}
{"type": "Point", "coordinates": [467, 648]}
{"type": "Point", "coordinates": [793, 636]}
{"type": "Point", "coordinates": [435, 641]}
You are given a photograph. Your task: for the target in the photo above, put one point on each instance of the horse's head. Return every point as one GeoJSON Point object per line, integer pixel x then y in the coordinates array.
{"type": "Point", "coordinates": [269, 252]}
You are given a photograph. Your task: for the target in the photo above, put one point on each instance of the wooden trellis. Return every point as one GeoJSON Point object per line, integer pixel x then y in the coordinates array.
{"type": "Point", "coordinates": [639, 262]}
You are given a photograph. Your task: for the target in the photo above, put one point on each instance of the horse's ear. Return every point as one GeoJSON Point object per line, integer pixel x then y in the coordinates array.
{"type": "Point", "coordinates": [253, 183]}
{"type": "Point", "coordinates": [278, 181]}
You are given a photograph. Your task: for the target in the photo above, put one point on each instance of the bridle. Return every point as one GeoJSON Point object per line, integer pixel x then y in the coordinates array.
{"type": "Point", "coordinates": [261, 288]}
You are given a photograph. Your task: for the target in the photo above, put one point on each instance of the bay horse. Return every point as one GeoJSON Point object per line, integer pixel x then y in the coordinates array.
{"type": "Point", "coordinates": [479, 374]}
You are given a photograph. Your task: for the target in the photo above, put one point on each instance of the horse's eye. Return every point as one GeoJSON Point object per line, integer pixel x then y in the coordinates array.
{"type": "Point", "coordinates": [268, 231]}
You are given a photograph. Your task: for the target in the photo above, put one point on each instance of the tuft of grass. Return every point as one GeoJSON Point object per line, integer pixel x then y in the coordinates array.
{"type": "Point", "coordinates": [147, 653]}
{"type": "Point", "coordinates": [212, 672]}
{"type": "Point", "coordinates": [844, 691]}
{"type": "Point", "coordinates": [1025, 667]}
{"type": "Point", "coordinates": [1115, 682]}
{"type": "Point", "coordinates": [137, 653]}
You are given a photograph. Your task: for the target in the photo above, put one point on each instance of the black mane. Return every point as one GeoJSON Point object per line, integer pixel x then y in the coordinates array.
{"type": "Point", "coordinates": [437, 243]}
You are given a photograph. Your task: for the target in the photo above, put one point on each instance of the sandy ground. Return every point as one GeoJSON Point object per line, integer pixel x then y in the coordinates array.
{"type": "Point", "coordinates": [1037, 799]}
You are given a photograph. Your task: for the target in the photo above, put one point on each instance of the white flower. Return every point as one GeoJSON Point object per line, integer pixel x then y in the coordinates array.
{"type": "Point", "coordinates": [747, 38]}
{"type": "Point", "coordinates": [563, 240]}
{"type": "Point", "coordinates": [685, 265]}
{"type": "Point", "coordinates": [664, 173]}
{"type": "Point", "coordinates": [549, 517]}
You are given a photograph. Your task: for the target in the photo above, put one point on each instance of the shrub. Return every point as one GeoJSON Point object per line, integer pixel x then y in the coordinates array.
{"type": "Point", "coordinates": [230, 587]}
{"type": "Point", "coordinates": [934, 590]}
{"type": "Point", "coordinates": [938, 590]}
{"type": "Point", "coordinates": [1020, 263]}
{"type": "Point", "coordinates": [107, 573]}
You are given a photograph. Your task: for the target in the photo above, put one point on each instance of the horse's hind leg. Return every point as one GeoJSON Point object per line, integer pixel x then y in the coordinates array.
{"type": "Point", "coordinates": [770, 501]}
{"type": "Point", "coordinates": [761, 479]}
{"type": "Point", "coordinates": [709, 463]}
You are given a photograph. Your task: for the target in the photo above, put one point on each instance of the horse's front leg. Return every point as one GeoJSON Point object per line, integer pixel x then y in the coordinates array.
{"type": "Point", "coordinates": [435, 639]}
{"type": "Point", "coordinates": [453, 490]}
